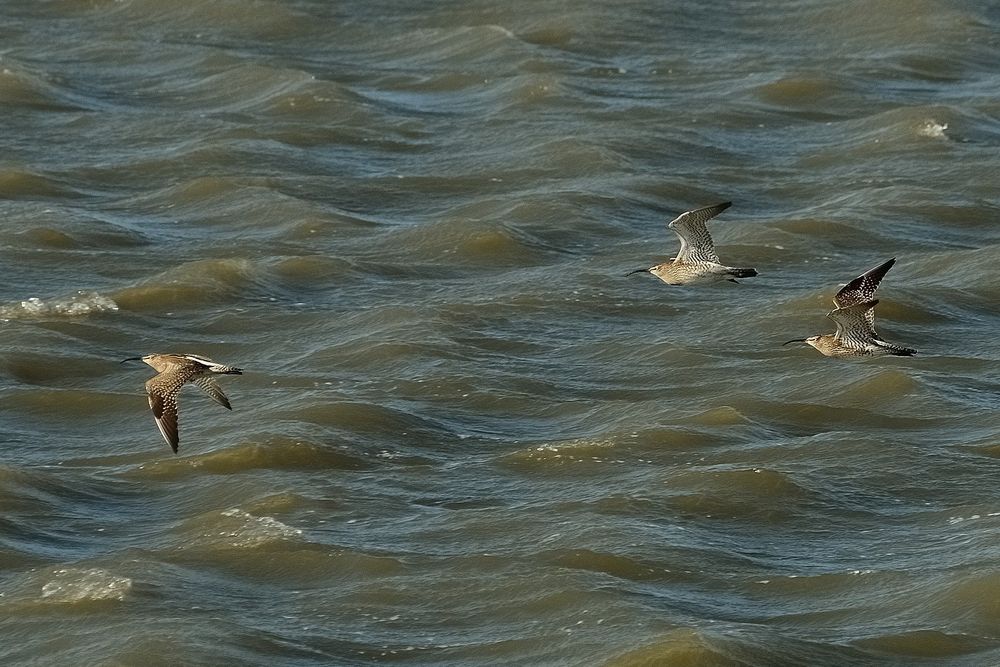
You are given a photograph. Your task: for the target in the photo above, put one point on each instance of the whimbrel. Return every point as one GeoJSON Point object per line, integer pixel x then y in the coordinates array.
{"type": "Point", "coordinates": [175, 370]}
{"type": "Point", "coordinates": [696, 261]}
{"type": "Point", "coordinates": [855, 318]}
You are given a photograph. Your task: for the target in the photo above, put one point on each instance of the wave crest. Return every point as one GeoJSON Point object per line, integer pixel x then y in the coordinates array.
{"type": "Point", "coordinates": [76, 305]}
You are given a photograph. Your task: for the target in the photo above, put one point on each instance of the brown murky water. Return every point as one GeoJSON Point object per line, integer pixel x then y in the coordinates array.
{"type": "Point", "coordinates": [463, 437]}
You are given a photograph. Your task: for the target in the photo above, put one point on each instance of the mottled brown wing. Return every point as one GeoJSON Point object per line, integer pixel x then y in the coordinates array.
{"type": "Point", "coordinates": [863, 287]}
{"type": "Point", "coordinates": [164, 407]}
{"type": "Point", "coordinates": [696, 242]}
{"type": "Point", "coordinates": [853, 327]}
{"type": "Point", "coordinates": [212, 388]}
{"type": "Point", "coordinates": [162, 391]}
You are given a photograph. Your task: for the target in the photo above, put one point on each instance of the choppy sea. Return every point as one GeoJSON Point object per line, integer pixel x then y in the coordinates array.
{"type": "Point", "coordinates": [463, 437]}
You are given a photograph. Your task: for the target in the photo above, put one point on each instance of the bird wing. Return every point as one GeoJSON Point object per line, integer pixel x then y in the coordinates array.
{"type": "Point", "coordinates": [162, 391]}
{"type": "Point", "coordinates": [213, 366]}
{"type": "Point", "coordinates": [863, 287]}
{"type": "Point", "coordinates": [696, 242]}
{"type": "Point", "coordinates": [853, 327]}
{"type": "Point", "coordinates": [212, 388]}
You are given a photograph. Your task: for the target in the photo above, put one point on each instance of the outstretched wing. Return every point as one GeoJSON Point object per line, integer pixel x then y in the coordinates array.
{"type": "Point", "coordinates": [212, 388]}
{"type": "Point", "coordinates": [853, 327]}
{"type": "Point", "coordinates": [162, 392]}
{"type": "Point", "coordinates": [863, 287]}
{"type": "Point", "coordinates": [696, 242]}
{"type": "Point", "coordinates": [213, 366]}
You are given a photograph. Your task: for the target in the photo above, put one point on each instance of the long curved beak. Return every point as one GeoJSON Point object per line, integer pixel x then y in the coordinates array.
{"type": "Point", "coordinates": [131, 359]}
{"type": "Point", "coordinates": [636, 271]}
{"type": "Point", "coordinates": [794, 340]}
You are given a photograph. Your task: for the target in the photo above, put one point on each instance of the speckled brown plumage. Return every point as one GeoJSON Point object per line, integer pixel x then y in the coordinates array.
{"type": "Point", "coordinates": [855, 318]}
{"type": "Point", "coordinates": [696, 261]}
{"type": "Point", "coordinates": [175, 370]}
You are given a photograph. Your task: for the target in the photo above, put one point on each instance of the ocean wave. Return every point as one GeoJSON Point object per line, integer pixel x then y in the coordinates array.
{"type": "Point", "coordinates": [20, 87]}
{"type": "Point", "coordinates": [19, 183]}
{"type": "Point", "coordinates": [192, 284]}
{"type": "Point", "coordinates": [235, 529]}
{"type": "Point", "coordinates": [71, 585]}
{"type": "Point", "coordinates": [684, 647]}
{"type": "Point", "coordinates": [275, 453]}
{"type": "Point", "coordinates": [584, 453]}
{"type": "Point", "coordinates": [77, 305]}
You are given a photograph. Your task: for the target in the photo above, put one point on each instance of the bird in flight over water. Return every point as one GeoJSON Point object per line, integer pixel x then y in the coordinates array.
{"type": "Point", "coordinates": [175, 370]}
{"type": "Point", "coordinates": [696, 261]}
{"type": "Point", "coordinates": [855, 318]}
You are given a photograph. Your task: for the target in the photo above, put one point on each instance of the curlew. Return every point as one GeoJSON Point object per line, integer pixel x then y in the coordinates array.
{"type": "Point", "coordinates": [696, 261]}
{"type": "Point", "coordinates": [175, 370]}
{"type": "Point", "coordinates": [855, 318]}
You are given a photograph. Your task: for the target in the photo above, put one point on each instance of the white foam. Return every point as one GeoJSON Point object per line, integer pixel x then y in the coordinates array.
{"type": "Point", "coordinates": [76, 584]}
{"type": "Point", "coordinates": [933, 129]}
{"type": "Point", "coordinates": [253, 530]}
{"type": "Point", "coordinates": [79, 304]}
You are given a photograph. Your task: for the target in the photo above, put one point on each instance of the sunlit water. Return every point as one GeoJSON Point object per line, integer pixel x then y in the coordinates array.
{"type": "Point", "coordinates": [463, 437]}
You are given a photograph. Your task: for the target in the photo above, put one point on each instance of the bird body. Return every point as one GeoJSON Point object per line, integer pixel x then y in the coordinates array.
{"type": "Point", "coordinates": [174, 371]}
{"type": "Point", "coordinates": [854, 316]}
{"type": "Point", "coordinates": [855, 337]}
{"type": "Point", "coordinates": [696, 261]}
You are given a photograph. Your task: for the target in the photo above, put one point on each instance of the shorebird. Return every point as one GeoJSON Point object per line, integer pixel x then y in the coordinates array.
{"type": "Point", "coordinates": [696, 261]}
{"type": "Point", "coordinates": [855, 318]}
{"type": "Point", "coordinates": [175, 370]}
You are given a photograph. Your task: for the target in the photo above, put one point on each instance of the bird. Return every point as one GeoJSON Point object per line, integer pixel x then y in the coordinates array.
{"type": "Point", "coordinates": [855, 318]}
{"type": "Point", "coordinates": [696, 261]}
{"type": "Point", "coordinates": [175, 370]}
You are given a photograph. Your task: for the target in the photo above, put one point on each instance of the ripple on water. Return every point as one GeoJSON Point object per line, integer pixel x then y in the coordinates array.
{"type": "Point", "coordinates": [616, 565]}
{"type": "Point", "coordinates": [973, 599]}
{"type": "Point", "coordinates": [22, 88]}
{"type": "Point", "coordinates": [585, 456]}
{"type": "Point", "coordinates": [21, 183]}
{"type": "Point", "coordinates": [234, 529]}
{"type": "Point", "coordinates": [365, 418]}
{"type": "Point", "coordinates": [231, 205]}
{"type": "Point", "coordinates": [191, 285]}
{"type": "Point", "coordinates": [881, 389]}
{"type": "Point", "coordinates": [67, 229]}
{"type": "Point", "coordinates": [460, 45]}
{"type": "Point", "coordinates": [794, 90]}
{"type": "Point", "coordinates": [822, 416]}
{"type": "Point", "coordinates": [310, 270]}
{"type": "Point", "coordinates": [724, 415]}
{"type": "Point", "coordinates": [274, 453]}
{"type": "Point", "coordinates": [757, 493]}
{"type": "Point", "coordinates": [926, 644]}
{"type": "Point", "coordinates": [921, 132]}
{"type": "Point", "coordinates": [683, 647]}
{"type": "Point", "coordinates": [457, 239]}
{"type": "Point", "coordinates": [264, 548]}
{"type": "Point", "coordinates": [195, 20]}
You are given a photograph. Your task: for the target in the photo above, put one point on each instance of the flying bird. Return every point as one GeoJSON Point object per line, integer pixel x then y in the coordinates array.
{"type": "Point", "coordinates": [854, 316]}
{"type": "Point", "coordinates": [175, 370]}
{"type": "Point", "coordinates": [696, 261]}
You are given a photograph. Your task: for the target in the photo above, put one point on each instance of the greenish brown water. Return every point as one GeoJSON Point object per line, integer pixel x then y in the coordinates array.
{"type": "Point", "coordinates": [463, 437]}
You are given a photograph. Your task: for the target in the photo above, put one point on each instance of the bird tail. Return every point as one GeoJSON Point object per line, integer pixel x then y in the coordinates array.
{"type": "Point", "coordinates": [742, 273]}
{"type": "Point", "coordinates": [895, 350]}
{"type": "Point", "coordinates": [226, 370]}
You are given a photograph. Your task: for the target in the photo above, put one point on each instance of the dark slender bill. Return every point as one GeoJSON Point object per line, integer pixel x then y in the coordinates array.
{"type": "Point", "coordinates": [636, 271]}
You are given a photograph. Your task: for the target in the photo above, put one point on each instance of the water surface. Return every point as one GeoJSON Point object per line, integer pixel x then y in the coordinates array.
{"type": "Point", "coordinates": [463, 437]}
